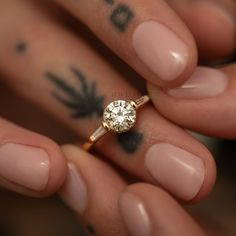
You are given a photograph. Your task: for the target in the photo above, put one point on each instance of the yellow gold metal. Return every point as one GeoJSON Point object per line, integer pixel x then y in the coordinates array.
{"type": "Point", "coordinates": [105, 125]}
{"type": "Point", "coordinates": [133, 104]}
{"type": "Point", "coordinates": [87, 146]}
{"type": "Point", "coordinates": [104, 128]}
{"type": "Point", "coordinates": [141, 101]}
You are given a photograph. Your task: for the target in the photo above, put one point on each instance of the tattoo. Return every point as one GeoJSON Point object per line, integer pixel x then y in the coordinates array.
{"type": "Point", "coordinates": [84, 102]}
{"type": "Point", "coordinates": [130, 141]}
{"type": "Point", "coordinates": [110, 2]}
{"type": "Point", "coordinates": [121, 17]}
{"type": "Point", "coordinates": [91, 230]}
{"type": "Point", "coordinates": [21, 47]}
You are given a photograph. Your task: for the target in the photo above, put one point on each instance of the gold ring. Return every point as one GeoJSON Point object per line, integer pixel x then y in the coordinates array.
{"type": "Point", "coordinates": [119, 117]}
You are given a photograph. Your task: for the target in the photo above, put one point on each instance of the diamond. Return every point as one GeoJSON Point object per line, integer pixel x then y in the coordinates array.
{"type": "Point", "coordinates": [119, 116]}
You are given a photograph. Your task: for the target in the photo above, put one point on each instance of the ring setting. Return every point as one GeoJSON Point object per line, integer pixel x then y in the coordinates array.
{"type": "Point", "coordinates": [119, 117]}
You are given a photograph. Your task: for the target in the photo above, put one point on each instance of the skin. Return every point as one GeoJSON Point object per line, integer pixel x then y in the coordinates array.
{"type": "Point", "coordinates": [218, 46]}
{"type": "Point", "coordinates": [209, 117]}
{"type": "Point", "coordinates": [36, 62]}
{"type": "Point", "coordinates": [99, 203]}
{"type": "Point", "coordinates": [39, 90]}
{"type": "Point", "coordinates": [120, 38]}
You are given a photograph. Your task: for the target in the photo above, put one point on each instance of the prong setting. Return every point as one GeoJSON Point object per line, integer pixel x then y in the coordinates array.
{"type": "Point", "coordinates": [133, 104]}
{"type": "Point", "coordinates": [120, 116]}
{"type": "Point", "coordinates": [105, 125]}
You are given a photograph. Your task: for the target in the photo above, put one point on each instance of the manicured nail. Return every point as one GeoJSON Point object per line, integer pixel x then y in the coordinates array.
{"type": "Point", "coordinates": [180, 172]}
{"type": "Point", "coordinates": [160, 49]}
{"type": "Point", "coordinates": [24, 165]}
{"type": "Point", "coordinates": [204, 83]}
{"type": "Point", "coordinates": [134, 214]}
{"type": "Point", "coordinates": [74, 191]}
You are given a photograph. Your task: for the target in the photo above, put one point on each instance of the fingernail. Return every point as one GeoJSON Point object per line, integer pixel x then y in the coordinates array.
{"type": "Point", "coordinates": [160, 49]}
{"type": "Point", "coordinates": [134, 214]}
{"type": "Point", "coordinates": [74, 191]}
{"type": "Point", "coordinates": [205, 82]}
{"type": "Point", "coordinates": [180, 172]}
{"type": "Point", "coordinates": [24, 165]}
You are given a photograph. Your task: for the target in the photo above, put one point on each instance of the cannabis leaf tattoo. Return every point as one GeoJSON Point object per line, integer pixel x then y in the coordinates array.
{"type": "Point", "coordinates": [83, 102]}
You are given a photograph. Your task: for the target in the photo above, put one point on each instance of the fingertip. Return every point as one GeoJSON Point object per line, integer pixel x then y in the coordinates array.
{"type": "Point", "coordinates": [148, 210]}
{"type": "Point", "coordinates": [30, 163]}
{"type": "Point", "coordinates": [70, 151]}
{"type": "Point", "coordinates": [92, 189]}
{"type": "Point", "coordinates": [186, 174]}
{"type": "Point", "coordinates": [169, 52]}
{"type": "Point", "coordinates": [209, 178]}
{"type": "Point", "coordinates": [205, 103]}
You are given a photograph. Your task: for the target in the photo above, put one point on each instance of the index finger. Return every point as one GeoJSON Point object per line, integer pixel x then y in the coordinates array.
{"type": "Point", "coordinates": [146, 34]}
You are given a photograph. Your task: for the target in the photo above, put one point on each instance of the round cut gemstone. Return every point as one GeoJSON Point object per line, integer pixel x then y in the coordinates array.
{"type": "Point", "coordinates": [120, 116]}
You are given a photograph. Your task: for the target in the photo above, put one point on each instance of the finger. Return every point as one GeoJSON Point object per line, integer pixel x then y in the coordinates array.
{"type": "Point", "coordinates": [92, 189]}
{"type": "Point", "coordinates": [206, 103]}
{"type": "Point", "coordinates": [30, 164]}
{"type": "Point", "coordinates": [147, 35]}
{"type": "Point", "coordinates": [68, 85]}
{"type": "Point", "coordinates": [213, 25]}
{"type": "Point", "coordinates": [149, 211]}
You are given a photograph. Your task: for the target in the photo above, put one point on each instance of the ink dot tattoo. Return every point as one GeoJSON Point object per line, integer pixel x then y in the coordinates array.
{"type": "Point", "coordinates": [21, 47]}
{"type": "Point", "coordinates": [130, 141]}
{"type": "Point", "coordinates": [83, 103]}
{"type": "Point", "coordinates": [121, 17]}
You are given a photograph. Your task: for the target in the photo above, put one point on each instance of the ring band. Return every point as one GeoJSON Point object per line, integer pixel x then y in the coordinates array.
{"type": "Point", "coordinates": [119, 117]}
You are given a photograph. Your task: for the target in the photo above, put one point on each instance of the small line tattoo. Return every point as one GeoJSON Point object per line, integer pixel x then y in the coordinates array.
{"type": "Point", "coordinates": [84, 103]}
{"type": "Point", "coordinates": [130, 141]}
{"type": "Point", "coordinates": [110, 2]}
{"type": "Point", "coordinates": [121, 17]}
{"type": "Point", "coordinates": [21, 47]}
{"type": "Point", "coordinates": [91, 229]}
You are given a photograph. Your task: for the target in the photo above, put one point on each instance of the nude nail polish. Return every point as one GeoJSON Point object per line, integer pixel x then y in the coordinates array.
{"type": "Point", "coordinates": [135, 215]}
{"type": "Point", "coordinates": [179, 171]}
{"type": "Point", "coordinates": [74, 191]}
{"type": "Point", "coordinates": [204, 82]}
{"type": "Point", "coordinates": [24, 165]}
{"type": "Point", "coordinates": [160, 49]}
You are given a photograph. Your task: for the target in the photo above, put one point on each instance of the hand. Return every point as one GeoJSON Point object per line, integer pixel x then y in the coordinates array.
{"type": "Point", "coordinates": [151, 38]}
{"type": "Point", "coordinates": [93, 190]}
{"type": "Point", "coordinates": [65, 72]}
{"type": "Point", "coordinates": [42, 56]}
